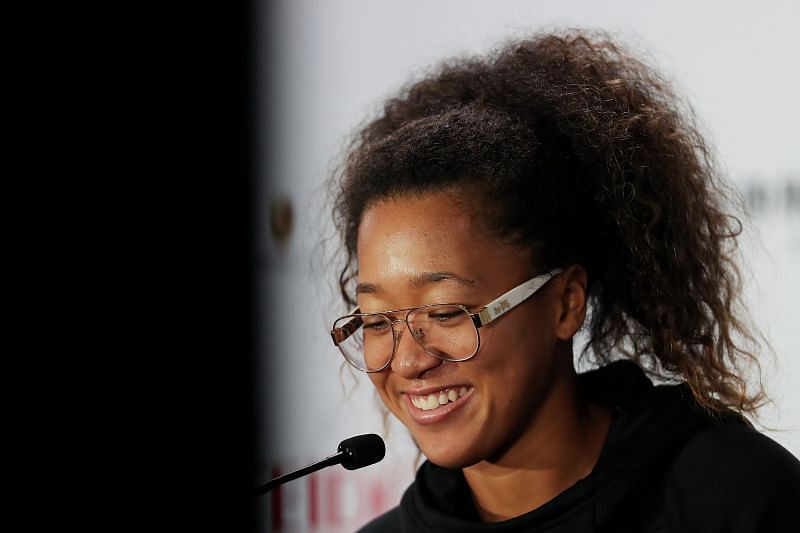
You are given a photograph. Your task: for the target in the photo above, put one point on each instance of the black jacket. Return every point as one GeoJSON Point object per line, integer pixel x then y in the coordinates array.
{"type": "Point", "coordinates": [665, 466]}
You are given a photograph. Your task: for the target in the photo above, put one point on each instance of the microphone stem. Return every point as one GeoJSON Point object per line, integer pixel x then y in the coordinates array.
{"type": "Point", "coordinates": [274, 482]}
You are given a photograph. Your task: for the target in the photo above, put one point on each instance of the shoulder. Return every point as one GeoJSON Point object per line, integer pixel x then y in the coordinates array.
{"type": "Point", "coordinates": [387, 522]}
{"type": "Point", "coordinates": [736, 477]}
{"type": "Point", "coordinates": [739, 455]}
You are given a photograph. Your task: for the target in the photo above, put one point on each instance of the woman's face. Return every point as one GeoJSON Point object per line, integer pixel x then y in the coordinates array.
{"type": "Point", "coordinates": [421, 250]}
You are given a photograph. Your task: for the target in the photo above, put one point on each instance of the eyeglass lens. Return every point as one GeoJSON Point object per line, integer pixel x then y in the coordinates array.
{"type": "Point", "coordinates": [444, 331]}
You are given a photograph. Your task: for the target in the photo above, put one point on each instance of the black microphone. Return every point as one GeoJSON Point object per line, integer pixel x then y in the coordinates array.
{"type": "Point", "coordinates": [353, 453]}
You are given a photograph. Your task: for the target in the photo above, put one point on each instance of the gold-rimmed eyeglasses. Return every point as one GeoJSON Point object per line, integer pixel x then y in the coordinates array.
{"type": "Point", "coordinates": [368, 341]}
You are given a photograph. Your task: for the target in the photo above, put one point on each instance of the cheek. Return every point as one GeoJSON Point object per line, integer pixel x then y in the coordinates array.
{"type": "Point", "coordinates": [516, 339]}
{"type": "Point", "coordinates": [378, 380]}
{"type": "Point", "coordinates": [518, 351]}
{"type": "Point", "coordinates": [535, 329]}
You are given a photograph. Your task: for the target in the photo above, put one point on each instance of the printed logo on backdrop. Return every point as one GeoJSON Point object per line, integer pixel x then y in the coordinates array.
{"type": "Point", "coordinates": [332, 500]}
{"type": "Point", "coordinates": [772, 197]}
{"type": "Point", "coordinates": [773, 203]}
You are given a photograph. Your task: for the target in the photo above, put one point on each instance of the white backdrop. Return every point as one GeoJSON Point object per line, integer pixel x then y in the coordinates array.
{"type": "Point", "coordinates": [326, 65]}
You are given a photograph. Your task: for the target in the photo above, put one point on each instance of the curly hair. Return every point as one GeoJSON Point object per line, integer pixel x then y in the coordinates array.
{"type": "Point", "coordinates": [584, 155]}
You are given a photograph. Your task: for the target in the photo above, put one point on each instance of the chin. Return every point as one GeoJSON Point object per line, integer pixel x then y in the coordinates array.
{"type": "Point", "coordinates": [440, 454]}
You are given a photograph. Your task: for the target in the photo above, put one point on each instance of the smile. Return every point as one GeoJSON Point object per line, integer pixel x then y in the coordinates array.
{"type": "Point", "coordinates": [432, 401]}
{"type": "Point", "coordinates": [438, 405]}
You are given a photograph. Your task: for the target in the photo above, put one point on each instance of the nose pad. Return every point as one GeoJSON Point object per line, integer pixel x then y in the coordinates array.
{"type": "Point", "coordinates": [410, 358]}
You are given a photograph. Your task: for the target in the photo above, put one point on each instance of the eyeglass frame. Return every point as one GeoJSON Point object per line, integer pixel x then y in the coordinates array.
{"type": "Point", "coordinates": [487, 314]}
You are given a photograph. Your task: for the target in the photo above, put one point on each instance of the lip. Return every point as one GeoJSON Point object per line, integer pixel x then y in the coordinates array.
{"type": "Point", "coordinates": [437, 415]}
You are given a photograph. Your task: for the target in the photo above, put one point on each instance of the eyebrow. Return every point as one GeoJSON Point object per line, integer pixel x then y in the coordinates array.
{"type": "Point", "coordinates": [419, 281]}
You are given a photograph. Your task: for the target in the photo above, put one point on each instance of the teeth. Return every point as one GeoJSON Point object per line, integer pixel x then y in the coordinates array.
{"type": "Point", "coordinates": [433, 401]}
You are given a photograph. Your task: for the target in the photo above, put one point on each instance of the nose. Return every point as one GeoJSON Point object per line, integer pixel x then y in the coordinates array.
{"type": "Point", "coordinates": [410, 358]}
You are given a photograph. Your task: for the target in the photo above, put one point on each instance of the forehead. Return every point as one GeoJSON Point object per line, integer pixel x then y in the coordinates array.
{"type": "Point", "coordinates": [431, 229]}
{"type": "Point", "coordinates": [401, 238]}
{"type": "Point", "coordinates": [433, 218]}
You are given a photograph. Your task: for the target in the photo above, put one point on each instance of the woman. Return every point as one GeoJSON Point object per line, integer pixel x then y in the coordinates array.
{"type": "Point", "coordinates": [491, 212]}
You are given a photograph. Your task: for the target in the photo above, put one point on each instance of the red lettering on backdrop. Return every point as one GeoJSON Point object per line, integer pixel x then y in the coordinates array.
{"type": "Point", "coordinates": [333, 501]}
{"type": "Point", "coordinates": [377, 497]}
{"type": "Point", "coordinates": [327, 494]}
{"type": "Point", "coordinates": [313, 500]}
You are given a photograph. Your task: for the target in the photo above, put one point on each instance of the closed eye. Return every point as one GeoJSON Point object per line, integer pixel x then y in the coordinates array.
{"type": "Point", "coordinates": [376, 324]}
{"type": "Point", "coordinates": [444, 317]}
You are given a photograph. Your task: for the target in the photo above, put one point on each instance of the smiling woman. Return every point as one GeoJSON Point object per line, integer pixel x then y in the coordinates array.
{"type": "Point", "coordinates": [524, 353]}
{"type": "Point", "coordinates": [492, 211]}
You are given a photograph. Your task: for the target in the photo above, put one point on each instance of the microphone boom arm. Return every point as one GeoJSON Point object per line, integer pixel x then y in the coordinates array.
{"type": "Point", "coordinates": [280, 480]}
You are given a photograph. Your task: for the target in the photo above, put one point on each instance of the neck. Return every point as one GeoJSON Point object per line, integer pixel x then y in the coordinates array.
{"type": "Point", "coordinates": [559, 447]}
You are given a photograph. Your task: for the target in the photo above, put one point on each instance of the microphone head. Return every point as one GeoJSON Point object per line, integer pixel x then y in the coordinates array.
{"type": "Point", "coordinates": [361, 451]}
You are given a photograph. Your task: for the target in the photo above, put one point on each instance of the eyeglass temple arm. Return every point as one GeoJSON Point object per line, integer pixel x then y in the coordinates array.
{"type": "Point", "coordinates": [512, 298]}
{"type": "Point", "coordinates": [342, 333]}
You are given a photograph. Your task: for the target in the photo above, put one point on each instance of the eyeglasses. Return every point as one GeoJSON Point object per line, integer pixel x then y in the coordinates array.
{"type": "Point", "coordinates": [368, 341]}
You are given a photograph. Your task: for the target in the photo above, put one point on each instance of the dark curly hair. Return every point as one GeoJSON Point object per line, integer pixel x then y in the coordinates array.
{"type": "Point", "coordinates": [581, 154]}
